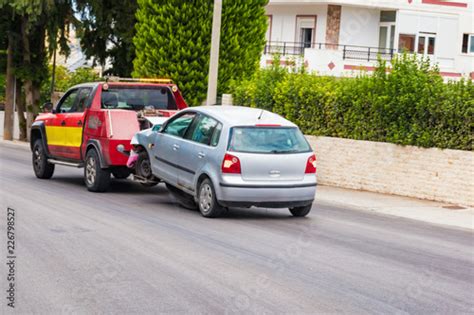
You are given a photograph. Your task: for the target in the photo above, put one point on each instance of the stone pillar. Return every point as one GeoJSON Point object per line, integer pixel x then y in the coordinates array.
{"type": "Point", "coordinates": [333, 26]}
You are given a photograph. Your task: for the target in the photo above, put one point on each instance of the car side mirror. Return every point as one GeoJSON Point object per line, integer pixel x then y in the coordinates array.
{"type": "Point", "coordinates": [47, 107]}
{"type": "Point", "coordinates": [156, 128]}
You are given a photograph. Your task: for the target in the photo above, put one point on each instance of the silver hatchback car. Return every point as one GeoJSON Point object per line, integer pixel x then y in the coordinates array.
{"type": "Point", "coordinates": [232, 156]}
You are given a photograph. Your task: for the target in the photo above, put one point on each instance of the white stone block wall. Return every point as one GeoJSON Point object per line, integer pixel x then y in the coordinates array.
{"type": "Point", "coordinates": [434, 174]}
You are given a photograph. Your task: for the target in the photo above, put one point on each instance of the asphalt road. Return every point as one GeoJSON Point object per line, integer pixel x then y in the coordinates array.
{"type": "Point", "coordinates": [134, 250]}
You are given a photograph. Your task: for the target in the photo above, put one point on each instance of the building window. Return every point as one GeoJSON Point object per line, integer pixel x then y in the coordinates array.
{"type": "Point", "coordinates": [388, 16]}
{"type": "Point", "coordinates": [468, 43]}
{"type": "Point", "coordinates": [406, 43]}
{"type": "Point", "coordinates": [305, 29]}
{"type": "Point", "coordinates": [387, 29]}
{"type": "Point", "coordinates": [426, 44]}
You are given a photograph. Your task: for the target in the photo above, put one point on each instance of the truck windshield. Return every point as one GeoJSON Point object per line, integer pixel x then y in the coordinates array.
{"type": "Point", "coordinates": [276, 140]}
{"type": "Point", "coordinates": [138, 98]}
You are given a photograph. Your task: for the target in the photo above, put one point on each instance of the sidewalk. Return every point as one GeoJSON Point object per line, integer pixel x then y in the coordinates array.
{"type": "Point", "coordinates": [405, 207]}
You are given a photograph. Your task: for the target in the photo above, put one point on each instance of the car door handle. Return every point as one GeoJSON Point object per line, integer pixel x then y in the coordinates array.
{"type": "Point", "coordinates": [79, 123]}
{"type": "Point", "coordinates": [175, 147]}
{"type": "Point", "coordinates": [201, 155]}
{"type": "Point", "coordinates": [63, 123]}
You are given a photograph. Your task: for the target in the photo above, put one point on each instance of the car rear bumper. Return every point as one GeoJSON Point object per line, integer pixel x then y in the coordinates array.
{"type": "Point", "coordinates": [269, 196]}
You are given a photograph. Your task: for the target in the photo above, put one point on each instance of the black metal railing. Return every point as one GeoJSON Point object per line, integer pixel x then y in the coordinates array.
{"type": "Point", "coordinates": [348, 51]}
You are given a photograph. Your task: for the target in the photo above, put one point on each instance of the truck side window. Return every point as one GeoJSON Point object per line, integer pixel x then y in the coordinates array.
{"type": "Point", "coordinates": [81, 102]}
{"type": "Point", "coordinates": [67, 102]}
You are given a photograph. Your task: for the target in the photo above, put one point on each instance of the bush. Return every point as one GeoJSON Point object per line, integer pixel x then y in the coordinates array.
{"type": "Point", "coordinates": [410, 105]}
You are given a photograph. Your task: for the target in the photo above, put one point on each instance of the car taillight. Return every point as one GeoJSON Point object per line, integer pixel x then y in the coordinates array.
{"type": "Point", "coordinates": [231, 164]}
{"type": "Point", "coordinates": [311, 165]}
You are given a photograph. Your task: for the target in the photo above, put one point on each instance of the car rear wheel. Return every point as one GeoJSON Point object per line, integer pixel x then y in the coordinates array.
{"type": "Point", "coordinates": [207, 201]}
{"type": "Point", "coordinates": [300, 211]}
{"type": "Point", "coordinates": [96, 178]}
{"type": "Point", "coordinates": [42, 168]}
{"type": "Point", "coordinates": [143, 170]}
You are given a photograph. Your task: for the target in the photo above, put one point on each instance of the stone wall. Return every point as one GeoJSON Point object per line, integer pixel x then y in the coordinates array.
{"type": "Point", "coordinates": [333, 25]}
{"type": "Point", "coordinates": [434, 174]}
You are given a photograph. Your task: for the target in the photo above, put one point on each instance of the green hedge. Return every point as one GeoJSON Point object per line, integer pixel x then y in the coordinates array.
{"type": "Point", "coordinates": [410, 105]}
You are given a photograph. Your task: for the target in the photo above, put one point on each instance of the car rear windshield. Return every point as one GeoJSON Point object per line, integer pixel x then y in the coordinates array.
{"type": "Point", "coordinates": [138, 98]}
{"type": "Point", "coordinates": [268, 140]}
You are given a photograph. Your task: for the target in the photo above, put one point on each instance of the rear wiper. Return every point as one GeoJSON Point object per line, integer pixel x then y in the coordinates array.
{"type": "Point", "coordinates": [283, 151]}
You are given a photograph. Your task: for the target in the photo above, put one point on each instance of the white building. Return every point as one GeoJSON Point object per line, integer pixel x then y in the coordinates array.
{"type": "Point", "coordinates": [340, 37]}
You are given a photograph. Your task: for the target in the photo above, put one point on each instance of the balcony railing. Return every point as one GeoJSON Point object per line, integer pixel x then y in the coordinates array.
{"type": "Point", "coordinates": [348, 51]}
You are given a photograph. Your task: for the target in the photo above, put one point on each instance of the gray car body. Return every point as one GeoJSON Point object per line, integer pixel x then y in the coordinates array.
{"type": "Point", "coordinates": [269, 180]}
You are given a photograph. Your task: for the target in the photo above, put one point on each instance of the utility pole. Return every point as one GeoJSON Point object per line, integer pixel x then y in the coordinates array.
{"type": "Point", "coordinates": [214, 60]}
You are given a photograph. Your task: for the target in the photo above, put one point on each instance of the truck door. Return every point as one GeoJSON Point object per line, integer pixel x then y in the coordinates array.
{"type": "Point", "coordinates": [75, 120]}
{"type": "Point", "coordinates": [56, 127]}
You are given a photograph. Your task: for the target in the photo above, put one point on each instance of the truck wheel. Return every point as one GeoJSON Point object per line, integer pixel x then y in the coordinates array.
{"type": "Point", "coordinates": [143, 169]}
{"type": "Point", "coordinates": [42, 168]}
{"type": "Point", "coordinates": [96, 178]}
{"type": "Point", "coordinates": [300, 211]}
{"type": "Point", "coordinates": [207, 201]}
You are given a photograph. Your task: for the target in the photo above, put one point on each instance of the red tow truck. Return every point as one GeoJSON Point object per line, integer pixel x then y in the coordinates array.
{"type": "Point", "coordinates": [92, 124]}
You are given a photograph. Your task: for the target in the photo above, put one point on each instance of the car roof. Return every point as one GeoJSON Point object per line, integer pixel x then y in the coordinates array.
{"type": "Point", "coordinates": [243, 116]}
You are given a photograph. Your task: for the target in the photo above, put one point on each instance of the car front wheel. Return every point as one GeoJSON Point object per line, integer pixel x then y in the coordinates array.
{"type": "Point", "coordinates": [42, 168]}
{"type": "Point", "coordinates": [300, 211]}
{"type": "Point", "coordinates": [96, 178]}
{"type": "Point", "coordinates": [207, 201]}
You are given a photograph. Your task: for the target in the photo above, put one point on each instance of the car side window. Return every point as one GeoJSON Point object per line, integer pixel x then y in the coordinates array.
{"type": "Point", "coordinates": [204, 130]}
{"type": "Point", "coordinates": [81, 102]}
{"type": "Point", "coordinates": [67, 102]}
{"type": "Point", "coordinates": [216, 135]}
{"type": "Point", "coordinates": [178, 126]}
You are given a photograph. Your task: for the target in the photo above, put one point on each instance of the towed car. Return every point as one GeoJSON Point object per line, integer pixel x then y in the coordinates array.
{"type": "Point", "coordinates": [230, 156]}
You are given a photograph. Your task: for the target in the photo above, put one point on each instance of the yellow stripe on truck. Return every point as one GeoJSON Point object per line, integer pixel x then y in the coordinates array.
{"type": "Point", "coordinates": [64, 136]}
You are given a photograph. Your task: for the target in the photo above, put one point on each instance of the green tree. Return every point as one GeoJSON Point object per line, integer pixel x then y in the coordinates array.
{"type": "Point", "coordinates": [30, 25]}
{"type": "Point", "coordinates": [107, 32]}
{"type": "Point", "coordinates": [173, 40]}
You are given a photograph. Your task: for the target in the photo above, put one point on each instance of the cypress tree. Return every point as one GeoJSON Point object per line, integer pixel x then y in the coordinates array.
{"type": "Point", "coordinates": [173, 39]}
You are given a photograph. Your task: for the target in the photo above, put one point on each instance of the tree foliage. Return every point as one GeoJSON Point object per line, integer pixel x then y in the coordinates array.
{"type": "Point", "coordinates": [107, 32]}
{"type": "Point", "coordinates": [410, 105]}
{"type": "Point", "coordinates": [173, 40]}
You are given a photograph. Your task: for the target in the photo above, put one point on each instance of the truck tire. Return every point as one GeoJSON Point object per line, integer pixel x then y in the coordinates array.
{"type": "Point", "coordinates": [95, 178]}
{"type": "Point", "coordinates": [300, 211]}
{"type": "Point", "coordinates": [207, 201]}
{"type": "Point", "coordinates": [42, 168]}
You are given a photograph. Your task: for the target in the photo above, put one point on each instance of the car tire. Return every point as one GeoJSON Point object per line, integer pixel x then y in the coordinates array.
{"type": "Point", "coordinates": [207, 202]}
{"type": "Point", "coordinates": [143, 169]}
{"type": "Point", "coordinates": [95, 178]}
{"type": "Point", "coordinates": [184, 199]}
{"type": "Point", "coordinates": [300, 211]}
{"type": "Point", "coordinates": [42, 168]}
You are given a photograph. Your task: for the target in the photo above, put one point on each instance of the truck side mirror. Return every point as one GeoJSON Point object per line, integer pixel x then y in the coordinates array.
{"type": "Point", "coordinates": [47, 107]}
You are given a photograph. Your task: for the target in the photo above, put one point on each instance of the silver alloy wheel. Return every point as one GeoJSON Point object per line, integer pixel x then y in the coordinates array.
{"type": "Point", "coordinates": [90, 171]}
{"type": "Point", "coordinates": [37, 159]}
{"type": "Point", "coordinates": [205, 198]}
